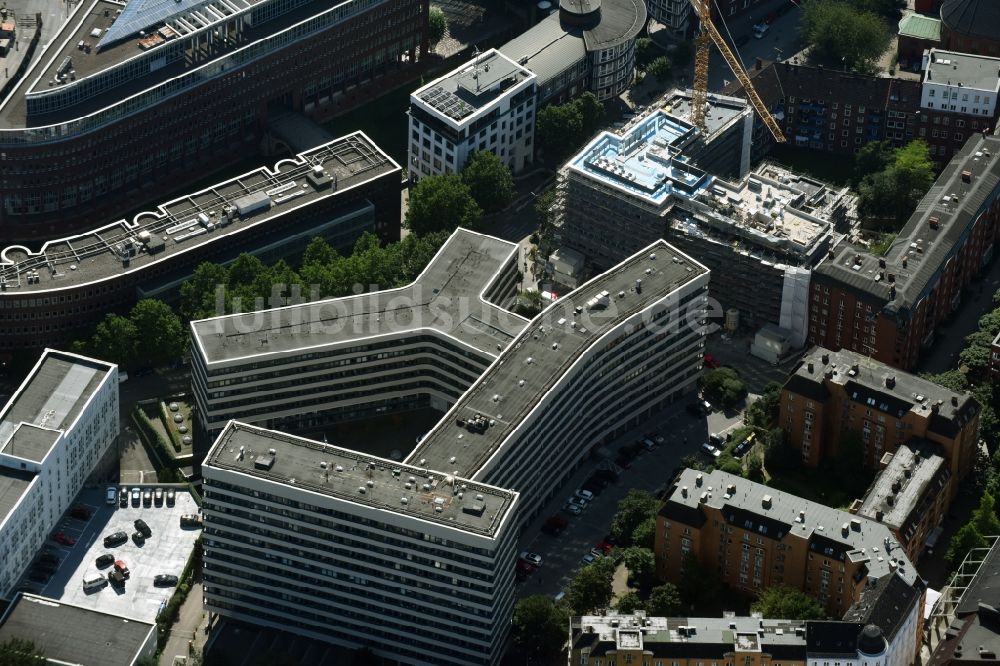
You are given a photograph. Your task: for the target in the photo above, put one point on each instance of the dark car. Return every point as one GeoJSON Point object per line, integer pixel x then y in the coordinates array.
{"type": "Point", "coordinates": [138, 538]}
{"type": "Point", "coordinates": [141, 526]}
{"type": "Point", "coordinates": [105, 560]}
{"type": "Point", "coordinates": [116, 578]}
{"type": "Point", "coordinates": [39, 577]}
{"type": "Point", "coordinates": [694, 409]}
{"type": "Point", "coordinates": [164, 580]}
{"type": "Point", "coordinates": [80, 512]}
{"type": "Point", "coordinates": [158, 497]}
{"type": "Point", "coordinates": [742, 39]}
{"type": "Point", "coordinates": [48, 557]}
{"type": "Point", "coordinates": [123, 498]}
{"type": "Point", "coordinates": [171, 495]}
{"type": "Point", "coordinates": [116, 539]}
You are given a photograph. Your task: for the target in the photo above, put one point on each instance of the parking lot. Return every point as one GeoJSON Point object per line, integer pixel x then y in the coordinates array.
{"type": "Point", "coordinates": [166, 551]}
{"type": "Point", "coordinates": [683, 435]}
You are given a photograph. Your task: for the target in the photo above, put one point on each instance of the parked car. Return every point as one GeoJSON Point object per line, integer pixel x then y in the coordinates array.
{"type": "Point", "coordinates": [123, 498]}
{"type": "Point", "coordinates": [745, 445]}
{"type": "Point", "coordinates": [147, 498]}
{"type": "Point", "coordinates": [554, 525]}
{"type": "Point", "coordinates": [588, 558]}
{"type": "Point", "coordinates": [769, 19]}
{"type": "Point", "coordinates": [171, 496]}
{"type": "Point", "coordinates": [572, 509]}
{"type": "Point", "coordinates": [585, 495]}
{"type": "Point", "coordinates": [94, 582]}
{"type": "Point", "coordinates": [65, 540]}
{"type": "Point", "coordinates": [116, 578]}
{"type": "Point", "coordinates": [597, 553]}
{"type": "Point", "coordinates": [39, 577]}
{"type": "Point", "coordinates": [111, 495]}
{"type": "Point", "coordinates": [593, 486]}
{"type": "Point", "coordinates": [121, 568]}
{"type": "Point", "coordinates": [709, 362]}
{"type": "Point", "coordinates": [582, 503]}
{"type": "Point", "coordinates": [711, 450]}
{"type": "Point", "coordinates": [105, 560]}
{"type": "Point", "coordinates": [656, 437]}
{"type": "Point", "coordinates": [706, 407]}
{"type": "Point", "coordinates": [136, 496]}
{"type": "Point", "coordinates": [143, 528]}
{"type": "Point", "coordinates": [116, 539]}
{"type": "Point", "coordinates": [624, 463]}
{"type": "Point", "coordinates": [605, 547]}
{"type": "Point", "coordinates": [760, 30]}
{"type": "Point", "coordinates": [164, 580]}
{"type": "Point", "coordinates": [531, 558]}
{"type": "Point", "coordinates": [716, 440]}
{"type": "Point", "coordinates": [158, 496]}
{"type": "Point", "coordinates": [138, 538]}
{"type": "Point", "coordinates": [48, 558]}
{"type": "Point", "coordinates": [191, 520]}
{"type": "Point", "coordinates": [80, 512]}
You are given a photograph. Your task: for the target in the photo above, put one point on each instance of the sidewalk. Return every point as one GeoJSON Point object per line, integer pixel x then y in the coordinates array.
{"type": "Point", "coordinates": [190, 627]}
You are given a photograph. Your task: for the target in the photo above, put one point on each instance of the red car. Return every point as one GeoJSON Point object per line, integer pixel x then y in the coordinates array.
{"type": "Point", "coordinates": [605, 547]}
{"type": "Point", "coordinates": [80, 512]}
{"type": "Point", "coordinates": [121, 568]}
{"type": "Point", "coordinates": [711, 363]}
{"type": "Point", "coordinates": [65, 540]}
{"type": "Point", "coordinates": [769, 19]}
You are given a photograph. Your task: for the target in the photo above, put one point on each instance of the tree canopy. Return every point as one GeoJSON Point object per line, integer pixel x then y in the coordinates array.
{"type": "Point", "coordinates": [630, 602]}
{"type": "Point", "coordinates": [659, 67]}
{"type": "Point", "coordinates": [891, 193]}
{"type": "Point", "coordinates": [590, 590]}
{"type": "Point", "coordinates": [151, 335]}
{"type": "Point", "coordinates": [539, 627]}
{"type": "Point", "coordinates": [723, 386]}
{"type": "Point", "coordinates": [489, 180]}
{"type": "Point", "coordinates": [763, 412]}
{"type": "Point", "coordinates": [560, 129]}
{"type": "Point", "coordinates": [437, 25]}
{"type": "Point", "coordinates": [844, 36]}
{"type": "Point", "coordinates": [633, 510]}
{"type": "Point", "coordinates": [787, 603]}
{"type": "Point", "coordinates": [442, 203]}
{"type": "Point", "coordinates": [664, 601]}
{"type": "Point", "coordinates": [640, 562]}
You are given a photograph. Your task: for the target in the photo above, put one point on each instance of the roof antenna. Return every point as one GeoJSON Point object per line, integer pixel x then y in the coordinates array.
{"type": "Point", "coordinates": [475, 65]}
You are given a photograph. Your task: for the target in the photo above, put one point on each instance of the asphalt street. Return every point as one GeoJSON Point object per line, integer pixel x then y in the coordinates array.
{"type": "Point", "coordinates": [653, 469]}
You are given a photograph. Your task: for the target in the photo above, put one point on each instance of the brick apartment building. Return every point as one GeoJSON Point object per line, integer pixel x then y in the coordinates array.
{"type": "Point", "coordinates": [890, 307]}
{"type": "Point", "coordinates": [755, 537]}
{"type": "Point", "coordinates": [130, 103]}
{"type": "Point", "coordinates": [830, 394]}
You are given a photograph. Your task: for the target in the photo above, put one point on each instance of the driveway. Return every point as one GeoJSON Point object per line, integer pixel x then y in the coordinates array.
{"type": "Point", "coordinates": [651, 471]}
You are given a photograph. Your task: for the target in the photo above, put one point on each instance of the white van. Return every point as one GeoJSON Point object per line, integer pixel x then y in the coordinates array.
{"type": "Point", "coordinates": [94, 581]}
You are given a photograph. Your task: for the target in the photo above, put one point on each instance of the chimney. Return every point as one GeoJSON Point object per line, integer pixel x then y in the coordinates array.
{"type": "Point", "coordinates": [905, 261]}
{"type": "Point", "coordinates": [698, 480]}
{"type": "Point", "coordinates": [766, 502]}
{"type": "Point", "coordinates": [890, 381]}
{"type": "Point", "coordinates": [881, 263]}
{"type": "Point", "coordinates": [892, 292]}
{"type": "Point", "coordinates": [684, 491]}
{"type": "Point", "coordinates": [954, 400]}
{"type": "Point", "coordinates": [892, 277]}
{"type": "Point", "coordinates": [826, 359]}
{"type": "Point", "coordinates": [879, 515]}
{"type": "Point", "coordinates": [809, 367]}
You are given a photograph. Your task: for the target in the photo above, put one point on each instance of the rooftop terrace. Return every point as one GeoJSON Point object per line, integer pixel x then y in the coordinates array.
{"type": "Point", "coordinates": [362, 479]}
{"type": "Point", "coordinates": [644, 160]}
{"type": "Point", "coordinates": [47, 402]}
{"type": "Point", "coordinates": [523, 375]}
{"type": "Point", "coordinates": [129, 247]}
{"type": "Point", "coordinates": [473, 86]}
{"type": "Point", "coordinates": [446, 297]}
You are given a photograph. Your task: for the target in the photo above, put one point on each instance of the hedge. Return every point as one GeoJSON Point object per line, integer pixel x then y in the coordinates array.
{"type": "Point", "coordinates": [175, 437]}
{"type": "Point", "coordinates": [171, 611]}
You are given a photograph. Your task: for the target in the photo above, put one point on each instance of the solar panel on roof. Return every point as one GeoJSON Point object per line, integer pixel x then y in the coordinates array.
{"type": "Point", "coordinates": [141, 14]}
{"type": "Point", "coordinates": [448, 103]}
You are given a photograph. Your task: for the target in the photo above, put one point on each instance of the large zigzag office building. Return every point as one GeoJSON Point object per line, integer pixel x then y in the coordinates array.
{"type": "Point", "coordinates": [415, 558]}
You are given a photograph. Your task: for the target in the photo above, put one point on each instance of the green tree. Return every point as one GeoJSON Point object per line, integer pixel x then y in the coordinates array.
{"type": "Point", "coordinates": [645, 50]}
{"type": "Point", "coordinates": [698, 585]}
{"type": "Point", "coordinates": [633, 510]}
{"type": "Point", "coordinates": [160, 337]}
{"type": "Point", "coordinates": [881, 247]}
{"type": "Point", "coordinates": [755, 468]}
{"type": "Point", "coordinates": [659, 67]}
{"type": "Point", "coordinates": [871, 158]}
{"type": "Point", "coordinates": [892, 194]}
{"type": "Point", "coordinates": [640, 563]}
{"type": "Point", "coordinates": [842, 36]}
{"type": "Point", "coordinates": [490, 181]}
{"type": "Point", "coordinates": [114, 340]}
{"type": "Point", "coordinates": [764, 410]}
{"type": "Point", "coordinates": [539, 627]}
{"type": "Point", "coordinates": [629, 602]}
{"type": "Point", "coordinates": [951, 379]}
{"type": "Point", "coordinates": [437, 25]}
{"type": "Point", "coordinates": [787, 603]}
{"type": "Point", "coordinates": [664, 601]}
{"type": "Point", "coordinates": [198, 293]}
{"type": "Point", "coordinates": [985, 517]}
{"type": "Point", "coordinates": [644, 534]}
{"type": "Point", "coordinates": [558, 131]}
{"type": "Point", "coordinates": [20, 652]}
{"type": "Point", "coordinates": [590, 589]}
{"type": "Point", "coordinates": [723, 386]}
{"type": "Point", "coordinates": [728, 464]}
{"type": "Point", "coordinates": [441, 203]}
{"type": "Point", "coordinates": [965, 539]}
{"type": "Point", "coordinates": [591, 112]}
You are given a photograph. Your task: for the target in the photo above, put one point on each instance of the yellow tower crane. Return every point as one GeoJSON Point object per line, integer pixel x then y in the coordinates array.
{"type": "Point", "coordinates": [708, 34]}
